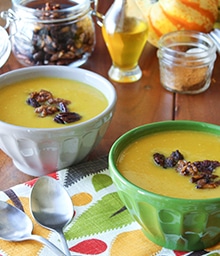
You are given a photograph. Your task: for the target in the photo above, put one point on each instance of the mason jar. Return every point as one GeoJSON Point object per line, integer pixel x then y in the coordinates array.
{"type": "Point", "coordinates": [44, 33]}
{"type": "Point", "coordinates": [186, 60]}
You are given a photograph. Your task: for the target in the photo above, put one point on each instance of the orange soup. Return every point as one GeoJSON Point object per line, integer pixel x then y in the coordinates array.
{"type": "Point", "coordinates": [136, 162]}
{"type": "Point", "coordinates": [85, 100]}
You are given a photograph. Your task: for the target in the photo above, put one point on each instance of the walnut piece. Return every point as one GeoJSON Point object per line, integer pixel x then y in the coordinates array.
{"type": "Point", "coordinates": [201, 172]}
{"type": "Point", "coordinates": [46, 104]}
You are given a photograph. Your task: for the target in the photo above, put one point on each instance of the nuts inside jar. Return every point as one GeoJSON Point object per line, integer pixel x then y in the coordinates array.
{"type": "Point", "coordinates": [55, 39]}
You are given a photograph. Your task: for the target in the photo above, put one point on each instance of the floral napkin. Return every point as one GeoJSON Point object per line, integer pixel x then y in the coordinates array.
{"type": "Point", "coordinates": [101, 225]}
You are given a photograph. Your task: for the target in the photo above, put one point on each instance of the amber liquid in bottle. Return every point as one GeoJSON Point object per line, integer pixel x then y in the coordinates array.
{"type": "Point", "coordinates": [125, 47]}
{"type": "Point", "coordinates": [125, 32]}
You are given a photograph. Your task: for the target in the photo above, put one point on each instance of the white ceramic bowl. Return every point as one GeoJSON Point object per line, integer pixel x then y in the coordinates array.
{"type": "Point", "coordinates": [39, 151]}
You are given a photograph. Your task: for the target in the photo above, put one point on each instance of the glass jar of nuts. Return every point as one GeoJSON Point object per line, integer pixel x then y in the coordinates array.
{"type": "Point", "coordinates": [61, 32]}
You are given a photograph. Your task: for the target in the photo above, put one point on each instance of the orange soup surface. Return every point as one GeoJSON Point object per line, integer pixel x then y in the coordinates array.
{"type": "Point", "coordinates": [85, 100]}
{"type": "Point", "coordinates": [136, 162]}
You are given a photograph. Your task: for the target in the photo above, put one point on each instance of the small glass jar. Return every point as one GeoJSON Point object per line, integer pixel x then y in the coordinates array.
{"type": "Point", "coordinates": [43, 33]}
{"type": "Point", "coordinates": [186, 60]}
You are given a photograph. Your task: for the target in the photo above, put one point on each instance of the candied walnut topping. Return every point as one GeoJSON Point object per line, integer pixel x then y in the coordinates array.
{"type": "Point", "coordinates": [170, 161]}
{"type": "Point", "coordinates": [45, 110]}
{"type": "Point", "coordinates": [67, 117]}
{"type": "Point", "coordinates": [201, 172]}
{"type": "Point", "coordinates": [41, 96]}
{"type": "Point", "coordinates": [46, 104]}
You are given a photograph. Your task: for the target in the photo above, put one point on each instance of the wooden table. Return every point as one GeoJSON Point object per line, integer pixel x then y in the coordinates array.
{"type": "Point", "coordinates": [138, 103]}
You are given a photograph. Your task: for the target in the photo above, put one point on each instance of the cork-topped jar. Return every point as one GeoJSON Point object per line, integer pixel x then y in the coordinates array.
{"type": "Point", "coordinates": [51, 33]}
{"type": "Point", "coordinates": [186, 60]}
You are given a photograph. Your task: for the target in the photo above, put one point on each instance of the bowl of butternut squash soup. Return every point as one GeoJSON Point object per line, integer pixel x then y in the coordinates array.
{"type": "Point", "coordinates": [168, 176]}
{"type": "Point", "coordinates": [53, 116]}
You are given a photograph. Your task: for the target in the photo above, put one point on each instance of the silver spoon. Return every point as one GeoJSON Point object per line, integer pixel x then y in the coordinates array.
{"type": "Point", "coordinates": [15, 225]}
{"type": "Point", "coordinates": [51, 206]}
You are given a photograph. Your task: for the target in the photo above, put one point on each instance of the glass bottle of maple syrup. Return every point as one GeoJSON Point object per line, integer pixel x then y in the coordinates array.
{"type": "Point", "coordinates": [125, 32]}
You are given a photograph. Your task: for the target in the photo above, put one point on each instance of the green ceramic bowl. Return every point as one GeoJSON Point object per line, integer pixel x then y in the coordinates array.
{"type": "Point", "coordinates": [177, 224]}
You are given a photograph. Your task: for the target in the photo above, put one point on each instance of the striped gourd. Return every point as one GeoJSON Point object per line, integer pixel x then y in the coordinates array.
{"type": "Point", "coordinates": [169, 15]}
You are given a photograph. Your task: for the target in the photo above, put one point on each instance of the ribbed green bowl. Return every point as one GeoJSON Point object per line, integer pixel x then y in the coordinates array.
{"type": "Point", "coordinates": [177, 224]}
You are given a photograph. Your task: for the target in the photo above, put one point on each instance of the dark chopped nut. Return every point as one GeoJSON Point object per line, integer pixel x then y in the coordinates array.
{"type": "Point", "coordinates": [33, 102]}
{"type": "Point", "coordinates": [46, 110]}
{"type": "Point", "coordinates": [67, 117]}
{"type": "Point", "coordinates": [41, 96]}
{"type": "Point", "coordinates": [197, 177]}
{"type": "Point", "coordinates": [206, 183]}
{"type": "Point", "coordinates": [58, 100]}
{"type": "Point", "coordinates": [170, 161]}
{"type": "Point", "coordinates": [159, 159]}
{"type": "Point", "coordinates": [206, 165]}
{"type": "Point", "coordinates": [174, 158]}
{"type": "Point", "coordinates": [63, 107]}
{"type": "Point", "coordinates": [45, 104]}
{"type": "Point", "coordinates": [186, 168]}
{"type": "Point", "coordinates": [201, 172]}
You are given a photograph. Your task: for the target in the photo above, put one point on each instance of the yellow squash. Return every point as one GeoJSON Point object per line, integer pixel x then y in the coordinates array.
{"type": "Point", "coordinates": [170, 15]}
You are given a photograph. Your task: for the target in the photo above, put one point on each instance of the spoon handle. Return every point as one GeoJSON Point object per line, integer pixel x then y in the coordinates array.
{"type": "Point", "coordinates": [46, 242]}
{"type": "Point", "coordinates": [64, 243]}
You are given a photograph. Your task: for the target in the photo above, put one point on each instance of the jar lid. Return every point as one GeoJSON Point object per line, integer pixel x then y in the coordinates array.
{"type": "Point", "coordinates": [5, 46]}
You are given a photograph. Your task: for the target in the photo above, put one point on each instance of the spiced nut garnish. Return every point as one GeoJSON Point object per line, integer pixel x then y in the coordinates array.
{"type": "Point", "coordinates": [41, 96]}
{"type": "Point", "coordinates": [63, 107]}
{"type": "Point", "coordinates": [186, 168]}
{"type": "Point", "coordinates": [46, 110]}
{"type": "Point", "coordinates": [170, 161]}
{"type": "Point", "coordinates": [201, 172]}
{"type": "Point", "coordinates": [33, 102]}
{"type": "Point", "coordinates": [67, 117]}
{"type": "Point", "coordinates": [58, 100]}
{"type": "Point", "coordinates": [45, 104]}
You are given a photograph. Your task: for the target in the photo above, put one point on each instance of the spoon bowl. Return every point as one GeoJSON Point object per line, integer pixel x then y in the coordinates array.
{"type": "Point", "coordinates": [51, 206]}
{"type": "Point", "coordinates": [17, 226]}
